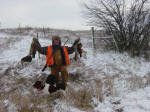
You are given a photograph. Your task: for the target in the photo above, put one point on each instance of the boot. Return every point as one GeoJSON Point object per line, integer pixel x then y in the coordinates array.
{"type": "Point", "coordinates": [61, 86]}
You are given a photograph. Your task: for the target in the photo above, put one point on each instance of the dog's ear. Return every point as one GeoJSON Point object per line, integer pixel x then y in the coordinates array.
{"type": "Point", "coordinates": [51, 79]}
{"type": "Point", "coordinates": [37, 84]}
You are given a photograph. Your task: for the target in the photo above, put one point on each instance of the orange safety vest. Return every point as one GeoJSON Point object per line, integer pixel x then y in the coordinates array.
{"type": "Point", "coordinates": [49, 56]}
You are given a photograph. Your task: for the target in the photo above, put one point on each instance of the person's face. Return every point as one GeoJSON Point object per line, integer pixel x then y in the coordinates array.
{"type": "Point", "coordinates": [56, 42]}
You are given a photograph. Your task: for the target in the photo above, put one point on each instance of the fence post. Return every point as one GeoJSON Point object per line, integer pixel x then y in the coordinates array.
{"type": "Point", "coordinates": [38, 40]}
{"type": "Point", "coordinates": [19, 28]}
{"type": "Point", "coordinates": [92, 33]}
{"type": "Point", "coordinates": [44, 31]}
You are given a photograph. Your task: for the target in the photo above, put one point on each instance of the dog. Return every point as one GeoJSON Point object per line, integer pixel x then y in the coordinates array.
{"type": "Point", "coordinates": [50, 86]}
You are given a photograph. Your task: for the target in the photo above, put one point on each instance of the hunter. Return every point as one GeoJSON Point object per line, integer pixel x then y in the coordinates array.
{"type": "Point", "coordinates": [56, 57]}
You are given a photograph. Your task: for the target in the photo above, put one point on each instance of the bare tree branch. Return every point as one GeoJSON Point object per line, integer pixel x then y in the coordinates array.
{"type": "Point", "coordinates": [130, 27]}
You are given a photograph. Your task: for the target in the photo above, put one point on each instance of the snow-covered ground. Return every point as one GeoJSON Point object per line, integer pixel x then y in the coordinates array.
{"type": "Point", "coordinates": [122, 82]}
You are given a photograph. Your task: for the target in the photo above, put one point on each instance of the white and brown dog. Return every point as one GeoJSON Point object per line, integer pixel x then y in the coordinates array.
{"type": "Point", "coordinates": [50, 86]}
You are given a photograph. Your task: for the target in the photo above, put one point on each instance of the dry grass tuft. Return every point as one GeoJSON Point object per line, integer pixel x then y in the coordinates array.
{"type": "Point", "coordinates": [82, 96]}
{"type": "Point", "coordinates": [96, 89]}
{"type": "Point", "coordinates": [147, 79]}
{"type": "Point", "coordinates": [21, 80]}
{"type": "Point", "coordinates": [7, 71]}
{"type": "Point", "coordinates": [16, 73]}
{"type": "Point", "coordinates": [108, 86]}
{"type": "Point", "coordinates": [80, 99]}
{"type": "Point", "coordinates": [75, 77]}
{"type": "Point", "coordinates": [136, 82]}
{"type": "Point", "coordinates": [27, 103]}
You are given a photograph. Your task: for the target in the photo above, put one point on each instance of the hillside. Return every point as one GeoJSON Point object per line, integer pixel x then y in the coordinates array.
{"type": "Point", "coordinates": [100, 82]}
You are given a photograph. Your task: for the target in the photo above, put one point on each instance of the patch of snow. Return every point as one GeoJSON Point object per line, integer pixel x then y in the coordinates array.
{"type": "Point", "coordinates": [112, 63]}
{"type": "Point", "coordinates": [137, 101]}
{"type": "Point", "coordinates": [64, 107]}
{"type": "Point", "coordinates": [11, 106]}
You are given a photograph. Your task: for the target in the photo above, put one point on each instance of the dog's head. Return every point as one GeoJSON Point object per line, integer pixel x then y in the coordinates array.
{"type": "Point", "coordinates": [50, 80]}
{"type": "Point", "coordinates": [38, 84]}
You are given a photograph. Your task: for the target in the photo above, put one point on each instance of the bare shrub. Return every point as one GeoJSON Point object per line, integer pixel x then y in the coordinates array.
{"type": "Point", "coordinates": [129, 26]}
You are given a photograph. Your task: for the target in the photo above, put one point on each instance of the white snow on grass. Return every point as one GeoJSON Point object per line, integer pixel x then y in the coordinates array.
{"type": "Point", "coordinates": [20, 49]}
{"type": "Point", "coordinates": [11, 106]}
{"type": "Point", "coordinates": [17, 50]}
{"type": "Point", "coordinates": [137, 101]}
{"type": "Point", "coordinates": [98, 65]}
{"type": "Point", "coordinates": [64, 107]}
{"type": "Point", "coordinates": [112, 63]}
{"type": "Point", "coordinates": [5, 35]}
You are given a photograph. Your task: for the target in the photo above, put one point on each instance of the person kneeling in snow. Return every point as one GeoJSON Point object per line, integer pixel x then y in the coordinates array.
{"type": "Point", "coordinates": [56, 58]}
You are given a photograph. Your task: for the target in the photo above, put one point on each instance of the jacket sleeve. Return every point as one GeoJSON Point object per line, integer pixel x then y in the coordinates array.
{"type": "Point", "coordinates": [43, 50]}
{"type": "Point", "coordinates": [70, 49]}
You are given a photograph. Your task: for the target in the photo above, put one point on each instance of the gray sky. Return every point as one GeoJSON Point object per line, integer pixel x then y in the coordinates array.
{"type": "Point", "coordinates": [53, 13]}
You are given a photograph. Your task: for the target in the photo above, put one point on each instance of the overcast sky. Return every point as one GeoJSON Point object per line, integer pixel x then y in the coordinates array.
{"type": "Point", "coordinates": [52, 13]}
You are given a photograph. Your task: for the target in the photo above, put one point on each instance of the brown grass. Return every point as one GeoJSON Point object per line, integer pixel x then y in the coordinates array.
{"type": "Point", "coordinates": [27, 103]}
{"type": "Point", "coordinates": [136, 82]}
{"type": "Point", "coordinates": [7, 71]}
{"type": "Point", "coordinates": [79, 93]}
{"type": "Point", "coordinates": [147, 78]}
{"type": "Point", "coordinates": [80, 99]}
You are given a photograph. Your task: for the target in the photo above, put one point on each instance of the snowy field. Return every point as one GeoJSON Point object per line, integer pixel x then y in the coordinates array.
{"type": "Point", "coordinates": [100, 82]}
